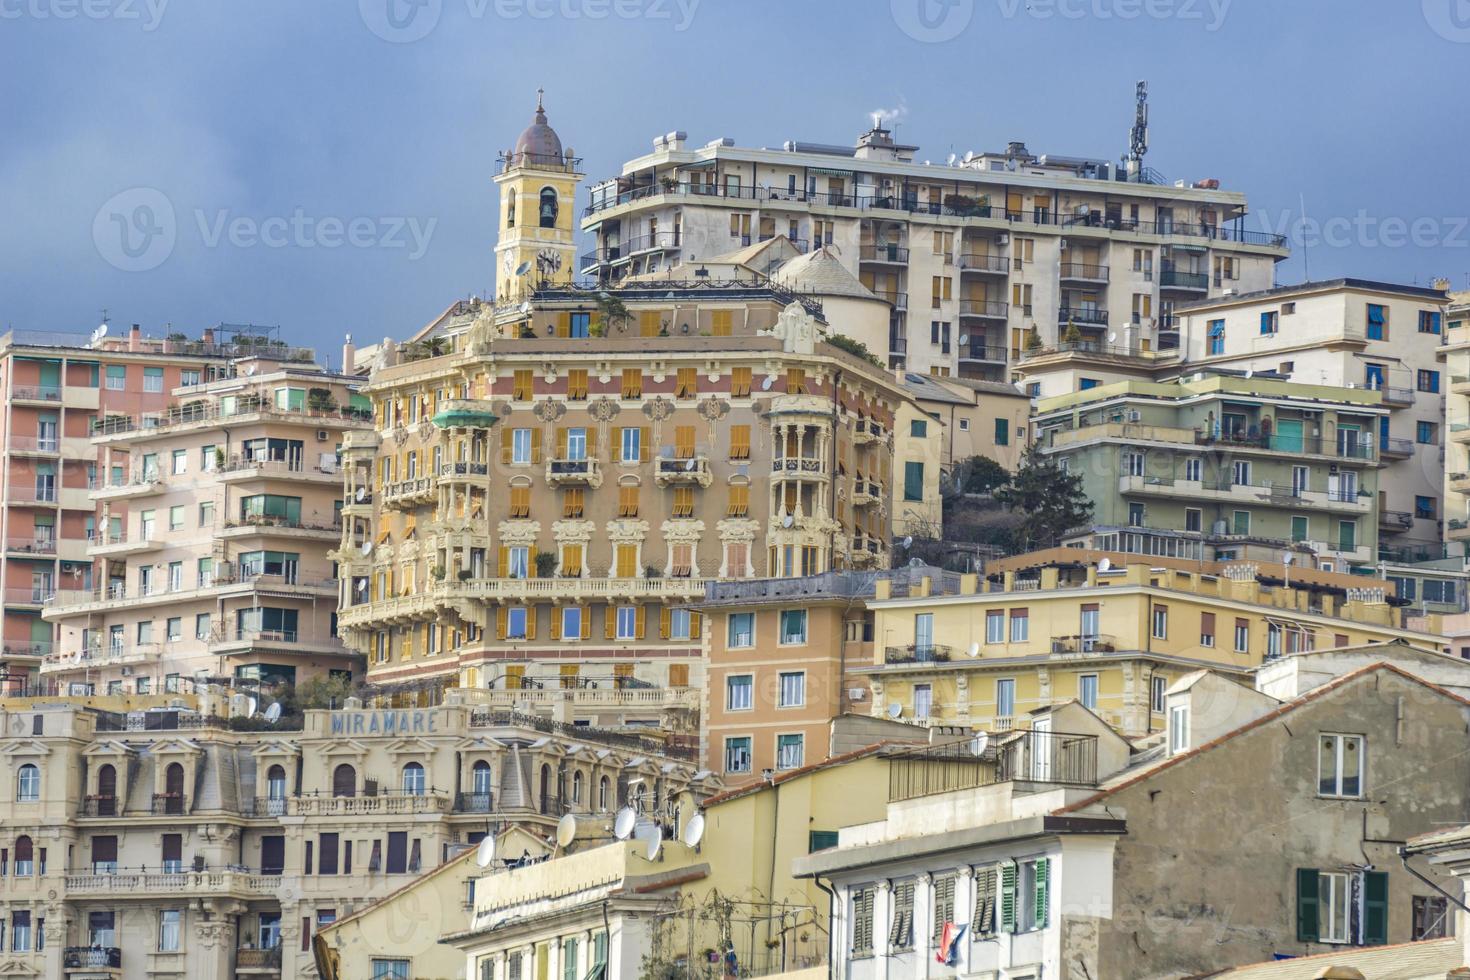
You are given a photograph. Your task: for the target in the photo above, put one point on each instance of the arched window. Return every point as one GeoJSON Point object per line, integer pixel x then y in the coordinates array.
{"type": "Point", "coordinates": [25, 864]}
{"type": "Point", "coordinates": [602, 795]}
{"type": "Point", "coordinates": [413, 779]}
{"type": "Point", "coordinates": [548, 207]}
{"type": "Point", "coordinates": [275, 791]}
{"type": "Point", "coordinates": [344, 781]}
{"type": "Point", "coordinates": [545, 789]}
{"type": "Point", "coordinates": [480, 779]}
{"type": "Point", "coordinates": [28, 784]}
{"type": "Point", "coordinates": [106, 791]}
{"type": "Point", "coordinates": [510, 209]}
{"type": "Point", "coordinates": [577, 787]}
{"type": "Point", "coordinates": [173, 788]}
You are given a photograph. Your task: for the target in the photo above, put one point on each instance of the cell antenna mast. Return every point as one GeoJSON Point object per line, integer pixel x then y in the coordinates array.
{"type": "Point", "coordinates": [1138, 135]}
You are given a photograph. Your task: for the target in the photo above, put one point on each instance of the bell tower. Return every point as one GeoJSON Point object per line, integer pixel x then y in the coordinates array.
{"type": "Point", "coordinates": [538, 192]}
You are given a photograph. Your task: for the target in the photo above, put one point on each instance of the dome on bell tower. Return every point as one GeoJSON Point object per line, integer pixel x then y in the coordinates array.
{"type": "Point", "coordinates": [539, 142]}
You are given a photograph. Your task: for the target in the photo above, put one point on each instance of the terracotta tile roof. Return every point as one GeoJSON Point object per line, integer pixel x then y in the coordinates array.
{"type": "Point", "coordinates": [1422, 960]}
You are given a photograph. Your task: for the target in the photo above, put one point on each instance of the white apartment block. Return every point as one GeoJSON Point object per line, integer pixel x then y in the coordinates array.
{"type": "Point", "coordinates": [216, 517]}
{"type": "Point", "coordinates": [972, 256]}
{"type": "Point", "coordinates": [1351, 333]}
{"type": "Point", "coordinates": [1457, 417]}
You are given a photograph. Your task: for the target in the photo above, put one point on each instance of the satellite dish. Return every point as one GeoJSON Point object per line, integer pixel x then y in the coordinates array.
{"type": "Point", "coordinates": [1112, 336]}
{"type": "Point", "coordinates": [975, 649]}
{"type": "Point", "coordinates": [526, 308]}
{"type": "Point", "coordinates": [979, 743]}
{"type": "Point", "coordinates": [693, 830]}
{"type": "Point", "coordinates": [566, 830]}
{"type": "Point", "coordinates": [894, 709]}
{"type": "Point", "coordinates": [361, 494]}
{"type": "Point", "coordinates": [908, 541]}
{"type": "Point", "coordinates": [523, 268]}
{"type": "Point", "coordinates": [250, 706]}
{"type": "Point", "coordinates": [102, 330]}
{"type": "Point", "coordinates": [767, 381]}
{"type": "Point", "coordinates": [689, 466]}
{"type": "Point", "coordinates": [655, 842]}
{"type": "Point", "coordinates": [273, 713]}
{"type": "Point", "coordinates": [623, 823]}
{"type": "Point", "coordinates": [1250, 372]}
{"type": "Point", "coordinates": [486, 853]}
{"type": "Point", "coordinates": [367, 548]}
{"type": "Point", "coordinates": [362, 585]}
{"type": "Point", "coordinates": [250, 369]}
{"type": "Point", "coordinates": [1105, 564]}
{"type": "Point", "coordinates": [1286, 558]}
{"type": "Point", "coordinates": [964, 340]}
{"type": "Point", "coordinates": [787, 521]}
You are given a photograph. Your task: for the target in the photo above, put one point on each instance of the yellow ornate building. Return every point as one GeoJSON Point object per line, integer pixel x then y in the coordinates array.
{"type": "Point", "coordinates": [538, 186]}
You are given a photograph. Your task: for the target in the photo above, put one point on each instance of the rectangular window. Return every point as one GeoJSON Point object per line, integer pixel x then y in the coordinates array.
{"type": "Point", "coordinates": [1242, 636]}
{"type": "Point", "coordinates": [995, 626]}
{"type": "Point", "coordinates": [862, 921]}
{"type": "Point", "coordinates": [737, 754]}
{"type": "Point", "coordinates": [522, 384]}
{"type": "Point", "coordinates": [901, 917]}
{"type": "Point", "coordinates": [1426, 433]}
{"type": "Point", "coordinates": [1087, 691]}
{"type": "Point", "coordinates": [913, 481]}
{"type": "Point", "coordinates": [790, 751]}
{"type": "Point", "coordinates": [632, 386]}
{"type": "Point", "coordinates": [1215, 337]}
{"type": "Point", "coordinates": [792, 689]}
{"type": "Point", "coordinates": [740, 630]}
{"type": "Point", "coordinates": [1178, 728]}
{"type": "Point", "coordinates": [1340, 765]}
{"type": "Point", "coordinates": [1002, 431]}
{"type": "Point", "coordinates": [1020, 626]}
{"type": "Point", "coordinates": [793, 626]}
{"type": "Point", "coordinates": [390, 969]}
{"type": "Point", "coordinates": [740, 379]}
{"type": "Point", "coordinates": [918, 428]}
{"type": "Point", "coordinates": [1206, 629]}
{"type": "Point", "coordinates": [1431, 913]}
{"type": "Point", "coordinates": [739, 692]}
{"type": "Point", "coordinates": [1377, 322]}
{"type": "Point", "coordinates": [1161, 623]}
{"type": "Point", "coordinates": [571, 622]}
{"type": "Point", "coordinates": [1156, 687]}
{"type": "Point", "coordinates": [1428, 380]}
{"type": "Point", "coordinates": [1269, 322]}
{"type": "Point", "coordinates": [117, 377]}
{"type": "Point", "coordinates": [1005, 697]}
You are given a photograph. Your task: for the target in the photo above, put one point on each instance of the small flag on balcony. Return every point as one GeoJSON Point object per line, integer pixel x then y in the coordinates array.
{"type": "Point", "coordinates": [949, 941]}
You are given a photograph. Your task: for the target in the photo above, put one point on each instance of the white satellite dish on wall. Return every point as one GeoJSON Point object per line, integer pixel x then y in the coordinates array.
{"type": "Point", "coordinates": [1105, 565]}
{"type": "Point", "coordinates": [655, 842]}
{"type": "Point", "coordinates": [894, 709]}
{"type": "Point", "coordinates": [523, 268]}
{"type": "Point", "coordinates": [787, 521]}
{"type": "Point", "coordinates": [980, 743]}
{"type": "Point", "coordinates": [566, 830]}
{"type": "Point", "coordinates": [273, 713]}
{"type": "Point", "coordinates": [975, 649]}
{"type": "Point", "coordinates": [367, 548]}
{"type": "Point", "coordinates": [767, 381]}
{"type": "Point", "coordinates": [624, 822]}
{"type": "Point", "coordinates": [694, 830]}
{"type": "Point", "coordinates": [485, 855]}
{"type": "Point", "coordinates": [361, 494]}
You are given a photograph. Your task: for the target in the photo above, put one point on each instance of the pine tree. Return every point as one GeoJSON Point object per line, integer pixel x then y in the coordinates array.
{"type": "Point", "coordinates": [1051, 502]}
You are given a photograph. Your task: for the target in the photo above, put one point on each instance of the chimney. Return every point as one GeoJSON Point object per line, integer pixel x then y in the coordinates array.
{"type": "Point", "coordinates": [135, 338]}
{"type": "Point", "coordinates": [207, 338]}
{"type": "Point", "coordinates": [349, 354]}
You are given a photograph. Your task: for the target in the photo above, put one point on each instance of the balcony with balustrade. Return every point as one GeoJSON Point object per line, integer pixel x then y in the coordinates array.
{"type": "Point", "coordinates": [568, 472]}
{"type": "Point", "coordinates": [683, 470]}
{"type": "Point", "coordinates": [408, 493]}
{"type": "Point", "coordinates": [883, 254]}
{"type": "Point", "coordinates": [1084, 273]}
{"type": "Point", "coordinates": [1176, 280]}
{"type": "Point", "coordinates": [984, 263]}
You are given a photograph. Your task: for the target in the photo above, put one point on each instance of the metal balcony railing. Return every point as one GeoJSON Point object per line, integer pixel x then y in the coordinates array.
{"type": "Point", "coordinates": [921, 653]}
{"type": "Point", "coordinates": [1023, 756]}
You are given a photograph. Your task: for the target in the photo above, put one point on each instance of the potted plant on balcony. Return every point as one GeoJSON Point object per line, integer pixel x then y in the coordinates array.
{"type": "Point", "coordinates": [545, 564]}
{"type": "Point", "coordinates": [320, 400]}
{"type": "Point", "coordinates": [1033, 340]}
{"type": "Point", "coordinates": [1072, 335]}
{"type": "Point", "coordinates": [667, 182]}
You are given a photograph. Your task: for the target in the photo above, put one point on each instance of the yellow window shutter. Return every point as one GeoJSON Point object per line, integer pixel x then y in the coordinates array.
{"type": "Point", "coordinates": [696, 625]}
{"type": "Point", "coordinates": [531, 622]}
{"type": "Point", "coordinates": [641, 626]}
{"type": "Point", "coordinates": [503, 565]}
{"type": "Point", "coordinates": [561, 442]}
{"type": "Point", "coordinates": [535, 445]}
{"type": "Point", "coordinates": [592, 442]}
{"type": "Point", "coordinates": [645, 443]}
{"type": "Point", "coordinates": [586, 623]}
{"type": "Point", "coordinates": [649, 323]}
{"type": "Point", "coordinates": [505, 446]}
{"type": "Point", "coordinates": [720, 323]}
{"type": "Point", "coordinates": [564, 324]}
{"type": "Point", "coordinates": [665, 622]}
{"type": "Point", "coordinates": [684, 441]}
{"type": "Point", "coordinates": [556, 622]}
{"type": "Point", "coordinates": [501, 617]}
{"type": "Point", "coordinates": [609, 622]}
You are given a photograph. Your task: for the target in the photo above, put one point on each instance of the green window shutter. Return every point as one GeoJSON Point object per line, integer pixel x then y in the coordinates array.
{"type": "Point", "coordinates": [820, 840]}
{"type": "Point", "coordinates": [1375, 908]}
{"type": "Point", "coordinates": [983, 922]}
{"type": "Point", "coordinates": [1043, 904]}
{"type": "Point", "coordinates": [913, 481]}
{"type": "Point", "coordinates": [1002, 432]}
{"type": "Point", "coordinates": [1307, 883]}
{"type": "Point", "coordinates": [1008, 898]}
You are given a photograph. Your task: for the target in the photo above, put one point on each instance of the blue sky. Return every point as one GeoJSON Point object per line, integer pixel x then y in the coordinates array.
{"type": "Point", "coordinates": [328, 164]}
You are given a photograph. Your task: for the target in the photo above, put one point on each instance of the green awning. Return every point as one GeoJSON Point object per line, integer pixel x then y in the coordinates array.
{"type": "Point", "coordinates": [465, 414]}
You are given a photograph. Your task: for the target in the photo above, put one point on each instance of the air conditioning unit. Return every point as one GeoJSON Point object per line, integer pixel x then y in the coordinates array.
{"type": "Point", "coordinates": [857, 693]}
{"type": "Point", "coordinates": [1064, 244]}
{"type": "Point", "coordinates": [127, 672]}
{"type": "Point", "coordinates": [321, 435]}
{"type": "Point", "coordinates": [1134, 415]}
{"type": "Point", "coordinates": [1003, 239]}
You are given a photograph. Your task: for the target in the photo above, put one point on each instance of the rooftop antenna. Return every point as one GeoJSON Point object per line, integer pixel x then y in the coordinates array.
{"type": "Point", "coordinates": [1138, 135]}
